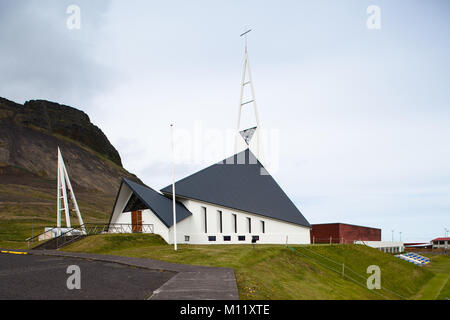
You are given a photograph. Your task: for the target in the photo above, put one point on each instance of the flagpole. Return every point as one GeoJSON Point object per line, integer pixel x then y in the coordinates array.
{"type": "Point", "coordinates": [173, 193]}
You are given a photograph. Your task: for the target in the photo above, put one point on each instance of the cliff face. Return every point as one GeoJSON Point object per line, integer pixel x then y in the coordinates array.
{"type": "Point", "coordinates": [54, 118]}
{"type": "Point", "coordinates": [29, 137]}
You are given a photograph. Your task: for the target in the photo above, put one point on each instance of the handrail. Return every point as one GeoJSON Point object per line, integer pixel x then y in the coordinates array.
{"type": "Point", "coordinates": [75, 237]}
{"type": "Point", "coordinates": [93, 229]}
{"type": "Point", "coordinates": [70, 230]}
{"type": "Point", "coordinates": [40, 234]}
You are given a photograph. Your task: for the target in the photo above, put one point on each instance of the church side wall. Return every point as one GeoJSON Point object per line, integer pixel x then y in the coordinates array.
{"type": "Point", "coordinates": [276, 231]}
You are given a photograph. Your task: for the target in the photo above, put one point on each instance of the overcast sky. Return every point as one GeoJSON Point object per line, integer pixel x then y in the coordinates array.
{"type": "Point", "coordinates": [359, 118]}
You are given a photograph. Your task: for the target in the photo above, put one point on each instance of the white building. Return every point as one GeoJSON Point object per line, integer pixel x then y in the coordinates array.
{"type": "Point", "coordinates": [233, 201]}
{"type": "Point", "coordinates": [230, 202]}
{"type": "Point", "coordinates": [385, 246]}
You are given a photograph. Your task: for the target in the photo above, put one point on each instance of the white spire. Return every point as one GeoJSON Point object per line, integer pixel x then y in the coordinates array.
{"type": "Point", "coordinates": [64, 187]}
{"type": "Point", "coordinates": [248, 137]}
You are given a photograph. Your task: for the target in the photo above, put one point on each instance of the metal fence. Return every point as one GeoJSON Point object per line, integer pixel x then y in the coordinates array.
{"type": "Point", "coordinates": [64, 236]}
{"type": "Point", "coordinates": [129, 228]}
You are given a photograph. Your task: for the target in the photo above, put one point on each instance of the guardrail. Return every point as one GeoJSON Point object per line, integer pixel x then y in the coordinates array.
{"type": "Point", "coordinates": [75, 233]}
{"type": "Point", "coordinates": [129, 228]}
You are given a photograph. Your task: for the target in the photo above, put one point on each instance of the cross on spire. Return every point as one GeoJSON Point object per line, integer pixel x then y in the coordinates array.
{"type": "Point", "coordinates": [244, 34]}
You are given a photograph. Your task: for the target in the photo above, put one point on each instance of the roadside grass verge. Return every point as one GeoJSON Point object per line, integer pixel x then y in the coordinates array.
{"type": "Point", "coordinates": [275, 271]}
{"type": "Point", "coordinates": [438, 288]}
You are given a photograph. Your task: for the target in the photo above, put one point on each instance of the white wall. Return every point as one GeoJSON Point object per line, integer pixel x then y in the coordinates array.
{"type": "Point", "coordinates": [276, 231]}
{"type": "Point", "coordinates": [148, 216]}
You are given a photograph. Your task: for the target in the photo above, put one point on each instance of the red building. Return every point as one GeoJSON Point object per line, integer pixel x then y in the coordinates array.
{"type": "Point", "coordinates": [343, 233]}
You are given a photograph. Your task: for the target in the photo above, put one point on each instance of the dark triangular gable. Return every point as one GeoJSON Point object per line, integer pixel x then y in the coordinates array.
{"type": "Point", "coordinates": [134, 204]}
{"type": "Point", "coordinates": [240, 182]}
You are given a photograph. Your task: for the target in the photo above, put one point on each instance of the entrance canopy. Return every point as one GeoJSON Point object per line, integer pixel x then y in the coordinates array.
{"type": "Point", "coordinates": [133, 196]}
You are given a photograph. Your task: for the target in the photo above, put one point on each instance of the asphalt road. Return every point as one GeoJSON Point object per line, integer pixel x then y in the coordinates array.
{"type": "Point", "coordinates": [45, 278]}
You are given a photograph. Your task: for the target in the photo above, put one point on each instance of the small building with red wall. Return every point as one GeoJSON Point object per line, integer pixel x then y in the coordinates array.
{"type": "Point", "coordinates": [343, 233]}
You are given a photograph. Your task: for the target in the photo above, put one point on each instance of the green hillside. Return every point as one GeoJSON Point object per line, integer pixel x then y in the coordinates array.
{"type": "Point", "coordinates": [30, 135]}
{"type": "Point", "coordinates": [279, 272]}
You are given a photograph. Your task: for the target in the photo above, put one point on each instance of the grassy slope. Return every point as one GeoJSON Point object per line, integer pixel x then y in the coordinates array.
{"type": "Point", "coordinates": [439, 286]}
{"type": "Point", "coordinates": [276, 272]}
{"type": "Point", "coordinates": [26, 210]}
{"type": "Point", "coordinates": [445, 291]}
{"type": "Point", "coordinates": [29, 204]}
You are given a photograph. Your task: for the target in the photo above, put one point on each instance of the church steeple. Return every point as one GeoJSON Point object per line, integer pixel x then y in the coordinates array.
{"type": "Point", "coordinates": [248, 137]}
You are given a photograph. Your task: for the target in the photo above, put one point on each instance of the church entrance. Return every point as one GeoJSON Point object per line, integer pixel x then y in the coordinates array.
{"type": "Point", "coordinates": [136, 221]}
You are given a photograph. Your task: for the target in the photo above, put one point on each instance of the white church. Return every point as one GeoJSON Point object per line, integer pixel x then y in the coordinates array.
{"type": "Point", "coordinates": [235, 201]}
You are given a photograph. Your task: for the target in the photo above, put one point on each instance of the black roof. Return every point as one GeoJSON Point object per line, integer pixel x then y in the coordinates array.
{"type": "Point", "coordinates": [158, 203]}
{"type": "Point", "coordinates": [240, 185]}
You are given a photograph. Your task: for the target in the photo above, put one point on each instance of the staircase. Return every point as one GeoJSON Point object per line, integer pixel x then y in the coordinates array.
{"type": "Point", "coordinates": [59, 239]}
{"type": "Point", "coordinates": [58, 242]}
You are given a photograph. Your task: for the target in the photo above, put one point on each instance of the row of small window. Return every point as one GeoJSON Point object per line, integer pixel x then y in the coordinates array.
{"type": "Point", "coordinates": [390, 249]}
{"type": "Point", "coordinates": [225, 238]}
{"type": "Point", "coordinates": [234, 223]}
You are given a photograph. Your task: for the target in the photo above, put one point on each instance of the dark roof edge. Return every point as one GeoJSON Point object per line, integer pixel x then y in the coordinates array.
{"type": "Point", "coordinates": [258, 214]}
{"type": "Point", "coordinates": [149, 206]}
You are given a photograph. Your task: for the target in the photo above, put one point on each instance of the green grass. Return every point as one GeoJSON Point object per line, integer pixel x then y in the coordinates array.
{"type": "Point", "coordinates": [445, 291]}
{"type": "Point", "coordinates": [439, 286]}
{"type": "Point", "coordinates": [277, 272]}
{"type": "Point", "coordinates": [37, 210]}
{"type": "Point", "coordinates": [25, 210]}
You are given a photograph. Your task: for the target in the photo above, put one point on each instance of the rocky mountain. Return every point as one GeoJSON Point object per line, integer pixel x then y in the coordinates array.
{"type": "Point", "coordinates": [29, 137]}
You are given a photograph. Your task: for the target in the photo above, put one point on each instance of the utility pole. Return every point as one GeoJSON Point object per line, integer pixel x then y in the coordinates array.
{"type": "Point", "coordinates": [173, 193]}
{"type": "Point", "coordinates": [392, 235]}
{"type": "Point", "coordinates": [400, 236]}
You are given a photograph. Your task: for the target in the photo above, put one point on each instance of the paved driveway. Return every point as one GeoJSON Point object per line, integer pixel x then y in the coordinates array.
{"type": "Point", "coordinates": [189, 283]}
{"type": "Point", "coordinates": [45, 277]}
